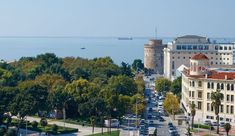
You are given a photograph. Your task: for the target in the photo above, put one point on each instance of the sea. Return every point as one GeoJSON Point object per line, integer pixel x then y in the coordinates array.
{"type": "Point", "coordinates": [13, 48]}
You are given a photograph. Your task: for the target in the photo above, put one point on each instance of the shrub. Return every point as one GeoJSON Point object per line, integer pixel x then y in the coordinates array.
{"type": "Point", "coordinates": [2, 131]}
{"type": "Point", "coordinates": [11, 132]}
{"type": "Point", "coordinates": [55, 128]}
{"type": "Point", "coordinates": [203, 126]}
{"type": "Point", "coordinates": [43, 122]}
{"type": "Point", "coordinates": [34, 124]}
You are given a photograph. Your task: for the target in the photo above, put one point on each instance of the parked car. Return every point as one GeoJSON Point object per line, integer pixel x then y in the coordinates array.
{"type": "Point", "coordinates": [161, 119]}
{"type": "Point", "coordinates": [221, 124]}
{"type": "Point", "coordinates": [114, 123]}
{"type": "Point", "coordinates": [207, 122]}
{"type": "Point", "coordinates": [214, 123]}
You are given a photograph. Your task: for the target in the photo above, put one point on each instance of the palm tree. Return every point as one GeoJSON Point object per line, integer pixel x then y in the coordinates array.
{"type": "Point", "coordinates": [193, 112]}
{"type": "Point", "coordinates": [227, 127]}
{"type": "Point", "coordinates": [216, 102]}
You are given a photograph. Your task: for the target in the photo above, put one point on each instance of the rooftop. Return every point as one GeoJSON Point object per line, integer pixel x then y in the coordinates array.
{"type": "Point", "coordinates": [217, 74]}
{"type": "Point", "coordinates": [200, 56]}
{"type": "Point", "coordinates": [191, 36]}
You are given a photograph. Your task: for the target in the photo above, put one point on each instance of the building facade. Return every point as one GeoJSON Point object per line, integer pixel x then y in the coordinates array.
{"type": "Point", "coordinates": [199, 80]}
{"type": "Point", "coordinates": [180, 51]}
{"type": "Point", "coordinates": [153, 56]}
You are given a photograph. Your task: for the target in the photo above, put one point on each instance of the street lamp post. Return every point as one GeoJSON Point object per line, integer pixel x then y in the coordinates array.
{"type": "Point", "coordinates": [26, 125]}
{"type": "Point", "coordinates": [64, 111]}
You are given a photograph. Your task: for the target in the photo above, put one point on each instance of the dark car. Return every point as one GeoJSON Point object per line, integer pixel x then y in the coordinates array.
{"type": "Point", "coordinates": [161, 119]}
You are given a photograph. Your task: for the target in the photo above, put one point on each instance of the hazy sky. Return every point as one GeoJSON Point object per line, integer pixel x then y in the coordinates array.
{"type": "Point", "coordinates": [213, 18]}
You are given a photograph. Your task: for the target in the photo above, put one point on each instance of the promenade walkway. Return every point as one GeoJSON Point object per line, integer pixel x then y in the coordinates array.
{"type": "Point", "coordinates": [83, 130]}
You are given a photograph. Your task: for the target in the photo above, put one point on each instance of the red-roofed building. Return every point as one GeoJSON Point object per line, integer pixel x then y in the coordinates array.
{"type": "Point", "coordinates": [200, 80]}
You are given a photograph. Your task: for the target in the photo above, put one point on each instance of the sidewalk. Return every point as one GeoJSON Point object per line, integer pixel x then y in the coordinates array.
{"type": "Point", "coordinates": [83, 130]}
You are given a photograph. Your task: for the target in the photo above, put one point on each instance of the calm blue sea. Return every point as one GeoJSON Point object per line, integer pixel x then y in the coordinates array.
{"type": "Point", "coordinates": [118, 50]}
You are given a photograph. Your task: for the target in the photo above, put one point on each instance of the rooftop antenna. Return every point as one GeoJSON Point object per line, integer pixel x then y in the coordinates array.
{"type": "Point", "coordinates": [155, 34]}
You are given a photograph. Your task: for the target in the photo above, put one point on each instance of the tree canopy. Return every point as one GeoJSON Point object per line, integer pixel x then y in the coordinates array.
{"type": "Point", "coordinates": [85, 87]}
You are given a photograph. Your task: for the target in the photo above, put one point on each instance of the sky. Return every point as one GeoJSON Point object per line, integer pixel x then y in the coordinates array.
{"type": "Point", "coordinates": [137, 18]}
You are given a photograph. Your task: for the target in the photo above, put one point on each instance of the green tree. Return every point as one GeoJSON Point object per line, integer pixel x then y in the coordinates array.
{"type": "Point", "coordinates": [227, 128]}
{"type": "Point", "coordinates": [126, 69]}
{"type": "Point", "coordinates": [171, 104]}
{"type": "Point", "coordinates": [193, 112]}
{"type": "Point", "coordinates": [22, 105]}
{"type": "Point", "coordinates": [92, 119]}
{"type": "Point", "coordinates": [163, 85]}
{"type": "Point", "coordinates": [176, 87]}
{"type": "Point", "coordinates": [140, 84]}
{"type": "Point", "coordinates": [138, 65]}
{"type": "Point", "coordinates": [216, 98]}
{"type": "Point", "coordinates": [122, 85]}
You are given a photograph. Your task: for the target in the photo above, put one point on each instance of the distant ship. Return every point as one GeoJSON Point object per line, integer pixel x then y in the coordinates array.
{"type": "Point", "coordinates": [125, 38]}
{"type": "Point", "coordinates": [83, 48]}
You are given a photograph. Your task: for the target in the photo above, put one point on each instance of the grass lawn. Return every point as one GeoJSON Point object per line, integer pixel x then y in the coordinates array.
{"type": "Point", "coordinates": [114, 133]}
{"type": "Point", "coordinates": [48, 128]}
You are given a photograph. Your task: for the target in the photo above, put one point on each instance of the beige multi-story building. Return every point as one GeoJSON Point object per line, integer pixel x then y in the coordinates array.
{"type": "Point", "coordinates": [180, 51]}
{"type": "Point", "coordinates": [153, 56]}
{"type": "Point", "coordinates": [199, 80]}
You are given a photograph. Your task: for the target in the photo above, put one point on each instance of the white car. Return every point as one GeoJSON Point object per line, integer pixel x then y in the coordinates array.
{"type": "Point", "coordinates": [207, 122]}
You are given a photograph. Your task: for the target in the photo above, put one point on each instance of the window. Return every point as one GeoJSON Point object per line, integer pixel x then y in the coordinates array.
{"type": "Point", "coordinates": [183, 47]}
{"type": "Point", "coordinates": [232, 98]}
{"type": "Point", "coordinates": [216, 47]}
{"type": "Point", "coordinates": [222, 86]}
{"type": "Point", "coordinates": [208, 96]}
{"type": "Point", "coordinates": [221, 108]}
{"type": "Point", "coordinates": [200, 94]}
{"type": "Point", "coordinates": [199, 105]}
{"type": "Point", "coordinates": [212, 108]}
{"type": "Point", "coordinates": [227, 109]}
{"type": "Point", "coordinates": [184, 57]}
{"type": "Point", "coordinates": [193, 83]}
{"type": "Point", "coordinates": [173, 64]}
{"type": "Point", "coordinates": [227, 58]}
{"type": "Point", "coordinates": [178, 47]}
{"type": "Point", "coordinates": [211, 62]}
{"type": "Point", "coordinates": [227, 97]}
{"type": "Point", "coordinates": [218, 86]}
{"type": "Point", "coordinates": [200, 47]}
{"type": "Point", "coordinates": [199, 83]}
{"type": "Point", "coordinates": [212, 85]}
{"type": "Point", "coordinates": [232, 87]}
{"type": "Point", "coordinates": [225, 48]}
{"type": "Point", "coordinates": [189, 93]}
{"type": "Point", "coordinates": [193, 94]}
{"type": "Point", "coordinates": [208, 85]}
{"type": "Point", "coordinates": [231, 109]}
{"type": "Point", "coordinates": [194, 47]}
{"type": "Point", "coordinates": [208, 106]}
{"type": "Point", "coordinates": [220, 48]}
{"type": "Point", "coordinates": [206, 47]}
{"type": "Point", "coordinates": [228, 86]}
{"type": "Point", "coordinates": [222, 97]}
{"type": "Point", "coordinates": [190, 47]}
{"type": "Point", "coordinates": [229, 48]}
